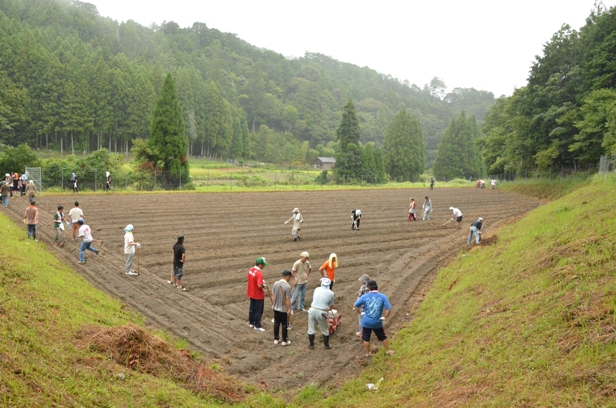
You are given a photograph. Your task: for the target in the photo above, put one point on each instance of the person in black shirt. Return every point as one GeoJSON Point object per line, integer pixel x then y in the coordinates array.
{"type": "Point", "coordinates": [475, 228]}
{"type": "Point", "coordinates": [179, 256]}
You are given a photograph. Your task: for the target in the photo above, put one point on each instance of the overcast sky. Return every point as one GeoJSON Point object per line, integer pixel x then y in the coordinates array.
{"type": "Point", "coordinates": [485, 44]}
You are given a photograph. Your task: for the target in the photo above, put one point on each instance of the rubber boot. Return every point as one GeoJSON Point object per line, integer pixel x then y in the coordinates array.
{"type": "Point", "coordinates": [326, 342]}
{"type": "Point", "coordinates": [311, 340]}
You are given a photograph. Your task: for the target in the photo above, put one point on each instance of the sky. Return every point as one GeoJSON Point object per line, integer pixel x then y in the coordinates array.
{"type": "Point", "coordinates": [484, 44]}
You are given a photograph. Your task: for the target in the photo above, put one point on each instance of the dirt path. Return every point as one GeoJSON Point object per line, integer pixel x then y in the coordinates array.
{"type": "Point", "coordinates": [225, 233]}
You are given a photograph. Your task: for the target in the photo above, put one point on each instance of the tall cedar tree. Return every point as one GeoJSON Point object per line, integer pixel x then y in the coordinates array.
{"type": "Point", "coordinates": [167, 140]}
{"type": "Point", "coordinates": [458, 154]}
{"type": "Point", "coordinates": [404, 147]}
{"type": "Point", "coordinates": [348, 159]}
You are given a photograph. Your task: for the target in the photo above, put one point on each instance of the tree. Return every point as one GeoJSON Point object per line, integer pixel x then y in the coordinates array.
{"type": "Point", "coordinates": [458, 154]}
{"type": "Point", "coordinates": [403, 148]}
{"type": "Point", "coordinates": [167, 140]}
{"type": "Point", "coordinates": [348, 159]}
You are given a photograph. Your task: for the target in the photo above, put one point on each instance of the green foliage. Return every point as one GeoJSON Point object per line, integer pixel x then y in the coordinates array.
{"type": "Point", "coordinates": [167, 141]}
{"type": "Point", "coordinates": [322, 178]}
{"type": "Point", "coordinates": [564, 116]}
{"type": "Point", "coordinates": [15, 159]}
{"type": "Point", "coordinates": [404, 147]}
{"type": "Point", "coordinates": [349, 156]}
{"type": "Point", "coordinates": [458, 154]}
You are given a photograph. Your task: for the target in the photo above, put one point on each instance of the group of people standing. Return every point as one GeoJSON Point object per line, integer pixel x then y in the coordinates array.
{"type": "Point", "coordinates": [288, 295]}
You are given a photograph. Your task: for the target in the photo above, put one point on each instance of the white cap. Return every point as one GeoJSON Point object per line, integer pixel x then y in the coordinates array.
{"type": "Point", "coordinates": [325, 282]}
{"type": "Point", "coordinates": [451, 208]}
{"type": "Point", "coordinates": [304, 255]}
{"type": "Point", "coordinates": [129, 228]}
{"type": "Point", "coordinates": [480, 219]}
{"type": "Point", "coordinates": [296, 210]}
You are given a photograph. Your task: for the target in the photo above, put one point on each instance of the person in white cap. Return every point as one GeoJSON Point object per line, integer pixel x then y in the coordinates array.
{"type": "Point", "coordinates": [322, 303]}
{"type": "Point", "coordinates": [297, 220]}
{"type": "Point", "coordinates": [301, 271]}
{"type": "Point", "coordinates": [457, 214]}
{"type": "Point", "coordinates": [129, 249]}
{"type": "Point", "coordinates": [108, 182]}
{"type": "Point", "coordinates": [475, 228]}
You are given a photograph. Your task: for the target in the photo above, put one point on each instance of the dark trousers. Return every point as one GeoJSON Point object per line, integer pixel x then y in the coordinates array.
{"type": "Point", "coordinates": [280, 318]}
{"type": "Point", "coordinates": [255, 312]}
{"type": "Point", "coordinates": [32, 231]}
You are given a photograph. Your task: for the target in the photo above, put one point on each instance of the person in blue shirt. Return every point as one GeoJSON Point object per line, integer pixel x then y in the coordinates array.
{"type": "Point", "coordinates": [373, 303]}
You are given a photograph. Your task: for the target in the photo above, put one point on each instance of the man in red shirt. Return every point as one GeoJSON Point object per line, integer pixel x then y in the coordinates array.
{"type": "Point", "coordinates": [256, 294]}
{"type": "Point", "coordinates": [31, 218]}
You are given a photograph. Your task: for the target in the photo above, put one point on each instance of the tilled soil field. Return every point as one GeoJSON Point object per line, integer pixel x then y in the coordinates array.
{"type": "Point", "coordinates": [225, 233]}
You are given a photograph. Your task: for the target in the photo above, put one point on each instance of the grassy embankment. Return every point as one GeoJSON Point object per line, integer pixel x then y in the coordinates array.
{"type": "Point", "coordinates": [527, 321]}
{"type": "Point", "coordinates": [64, 343]}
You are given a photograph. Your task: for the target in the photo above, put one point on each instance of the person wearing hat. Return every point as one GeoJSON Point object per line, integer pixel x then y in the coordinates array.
{"type": "Point", "coordinates": [281, 292]}
{"type": "Point", "coordinates": [31, 219]}
{"type": "Point", "coordinates": [412, 207]}
{"type": "Point", "coordinates": [75, 214]}
{"type": "Point", "coordinates": [322, 303]}
{"type": "Point", "coordinates": [457, 214]}
{"type": "Point", "coordinates": [85, 233]}
{"type": "Point", "coordinates": [475, 228]}
{"type": "Point", "coordinates": [179, 258]}
{"type": "Point", "coordinates": [31, 190]}
{"type": "Point", "coordinates": [328, 269]}
{"type": "Point", "coordinates": [363, 289]}
{"type": "Point", "coordinates": [129, 249]}
{"type": "Point", "coordinates": [356, 216]}
{"type": "Point", "coordinates": [373, 303]}
{"type": "Point", "coordinates": [301, 271]}
{"type": "Point", "coordinates": [108, 182]}
{"type": "Point", "coordinates": [256, 294]}
{"type": "Point", "coordinates": [297, 220]}
{"type": "Point", "coordinates": [427, 209]}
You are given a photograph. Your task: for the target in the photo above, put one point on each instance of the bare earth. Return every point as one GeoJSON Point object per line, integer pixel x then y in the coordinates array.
{"type": "Point", "coordinates": [225, 233]}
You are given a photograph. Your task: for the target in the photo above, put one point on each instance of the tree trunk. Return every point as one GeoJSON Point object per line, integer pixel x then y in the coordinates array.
{"type": "Point", "coordinates": [72, 143]}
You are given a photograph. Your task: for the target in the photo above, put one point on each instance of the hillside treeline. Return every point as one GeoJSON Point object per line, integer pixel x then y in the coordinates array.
{"type": "Point", "coordinates": [74, 80]}
{"type": "Point", "coordinates": [566, 115]}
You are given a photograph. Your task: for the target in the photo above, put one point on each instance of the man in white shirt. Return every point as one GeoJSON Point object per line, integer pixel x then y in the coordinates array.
{"type": "Point", "coordinates": [457, 214]}
{"type": "Point", "coordinates": [75, 215]}
{"type": "Point", "coordinates": [322, 303]}
{"type": "Point", "coordinates": [85, 233]}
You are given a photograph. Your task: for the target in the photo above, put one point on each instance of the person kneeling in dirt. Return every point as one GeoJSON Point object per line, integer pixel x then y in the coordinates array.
{"type": "Point", "coordinates": [475, 229]}
{"type": "Point", "coordinates": [297, 224]}
{"type": "Point", "coordinates": [322, 303]}
{"type": "Point", "coordinates": [373, 303]}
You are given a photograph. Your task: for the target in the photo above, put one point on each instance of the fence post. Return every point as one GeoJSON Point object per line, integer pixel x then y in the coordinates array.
{"type": "Point", "coordinates": [207, 181]}
{"type": "Point", "coordinates": [180, 178]}
{"type": "Point", "coordinates": [95, 179]}
{"type": "Point", "coordinates": [62, 176]}
{"type": "Point", "coordinates": [154, 179]}
{"type": "Point", "coordinates": [231, 181]}
{"type": "Point", "coordinates": [275, 182]}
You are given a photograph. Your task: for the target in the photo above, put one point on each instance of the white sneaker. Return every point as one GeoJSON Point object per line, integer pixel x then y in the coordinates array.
{"type": "Point", "coordinates": [272, 320]}
{"type": "Point", "coordinates": [289, 327]}
{"type": "Point", "coordinates": [276, 341]}
{"type": "Point", "coordinates": [285, 343]}
{"type": "Point", "coordinates": [261, 329]}
{"type": "Point", "coordinates": [250, 325]}
{"type": "Point", "coordinates": [292, 311]}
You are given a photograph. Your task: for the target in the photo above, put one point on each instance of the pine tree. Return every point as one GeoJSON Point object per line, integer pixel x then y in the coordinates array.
{"type": "Point", "coordinates": [404, 147]}
{"type": "Point", "coordinates": [458, 155]}
{"type": "Point", "coordinates": [348, 159]}
{"type": "Point", "coordinates": [167, 140]}
{"type": "Point", "coordinates": [369, 170]}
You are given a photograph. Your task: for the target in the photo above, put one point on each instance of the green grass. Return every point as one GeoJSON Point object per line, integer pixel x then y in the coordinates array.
{"type": "Point", "coordinates": [43, 305]}
{"type": "Point", "coordinates": [547, 189]}
{"type": "Point", "coordinates": [528, 321]}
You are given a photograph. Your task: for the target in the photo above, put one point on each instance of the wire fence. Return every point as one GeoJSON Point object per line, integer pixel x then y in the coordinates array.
{"type": "Point", "coordinates": [96, 180]}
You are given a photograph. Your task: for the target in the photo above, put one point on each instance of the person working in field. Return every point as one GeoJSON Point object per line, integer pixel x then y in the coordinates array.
{"type": "Point", "coordinates": [475, 230]}
{"type": "Point", "coordinates": [322, 303]}
{"type": "Point", "coordinates": [373, 303]}
{"type": "Point", "coordinates": [328, 269]}
{"type": "Point", "coordinates": [85, 233]}
{"type": "Point", "coordinates": [356, 216]}
{"type": "Point", "coordinates": [256, 294]}
{"type": "Point", "coordinates": [427, 209]}
{"type": "Point", "coordinates": [297, 221]}
{"type": "Point", "coordinates": [75, 214]}
{"type": "Point", "coordinates": [412, 207]}
{"type": "Point", "coordinates": [281, 291]}
{"type": "Point", "coordinates": [301, 271]}
{"type": "Point", "coordinates": [129, 249]}
{"type": "Point", "coordinates": [457, 214]}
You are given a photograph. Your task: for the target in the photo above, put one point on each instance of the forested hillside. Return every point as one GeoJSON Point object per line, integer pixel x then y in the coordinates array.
{"type": "Point", "coordinates": [73, 80]}
{"type": "Point", "coordinates": [566, 115]}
